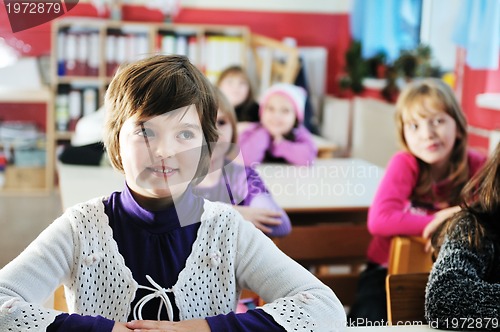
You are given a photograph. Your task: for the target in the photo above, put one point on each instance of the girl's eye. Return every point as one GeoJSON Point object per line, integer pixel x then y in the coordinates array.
{"type": "Point", "coordinates": [268, 108]}
{"type": "Point", "coordinates": [185, 135]}
{"type": "Point", "coordinates": [438, 121]}
{"type": "Point", "coordinates": [145, 132]}
{"type": "Point", "coordinates": [412, 126]}
{"type": "Point", "coordinates": [221, 123]}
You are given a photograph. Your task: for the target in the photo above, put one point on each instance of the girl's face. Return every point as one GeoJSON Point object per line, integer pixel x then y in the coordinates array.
{"type": "Point", "coordinates": [235, 88]}
{"type": "Point", "coordinates": [278, 115]}
{"type": "Point", "coordinates": [431, 137]}
{"type": "Point", "coordinates": [225, 134]}
{"type": "Point", "coordinates": [160, 155]}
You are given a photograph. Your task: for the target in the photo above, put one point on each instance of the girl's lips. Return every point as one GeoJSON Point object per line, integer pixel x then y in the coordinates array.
{"type": "Point", "coordinates": [433, 147]}
{"type": "Point", "coordinates": [162, 172]}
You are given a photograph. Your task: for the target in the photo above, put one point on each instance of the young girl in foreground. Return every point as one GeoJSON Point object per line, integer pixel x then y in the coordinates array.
{"type": "Point", "coordinates": [421, 185]}
{"type": "Point", "coordinates": [463, 292]}
{"type": "Point", "coordinates": [154, 256]}
{"type": "Point", "coordinates": [280, 135]}
{"type": "Point", "coordinates": [230, 182]}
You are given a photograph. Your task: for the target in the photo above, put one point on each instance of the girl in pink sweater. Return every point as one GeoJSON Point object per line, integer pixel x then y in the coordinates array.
{"type": "Point", "coordinates": [280, 135]}
{"type": "Point", "coordinates": [421, 185]}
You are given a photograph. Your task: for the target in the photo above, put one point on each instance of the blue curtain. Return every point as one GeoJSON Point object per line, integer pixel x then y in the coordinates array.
{"type": "Point", "coordinates": [478, 31]}
{"type": "Point", "coordinates": [387, 26]}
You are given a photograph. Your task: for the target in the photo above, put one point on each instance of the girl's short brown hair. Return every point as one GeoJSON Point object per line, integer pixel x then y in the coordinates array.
{"type": "Point", "coordinates": [155, 86]}
{"type": "Point", "coordinates": [412, 102]}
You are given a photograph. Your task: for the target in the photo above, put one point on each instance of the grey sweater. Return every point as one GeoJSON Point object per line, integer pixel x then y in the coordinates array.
{"type": "Point", "coordinates": [463, 291]}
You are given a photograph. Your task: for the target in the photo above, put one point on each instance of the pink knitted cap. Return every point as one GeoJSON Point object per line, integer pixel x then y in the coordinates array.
{"type": "Point", "coordinates": [295, 94]}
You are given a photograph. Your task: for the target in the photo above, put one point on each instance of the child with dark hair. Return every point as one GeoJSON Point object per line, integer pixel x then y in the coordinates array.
{"type": "Point", "coordinates": [463, 292]}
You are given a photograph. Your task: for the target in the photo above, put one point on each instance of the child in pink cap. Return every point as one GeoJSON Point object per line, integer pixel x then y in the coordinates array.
{"type": "Point", "coordinates": [280, 135]}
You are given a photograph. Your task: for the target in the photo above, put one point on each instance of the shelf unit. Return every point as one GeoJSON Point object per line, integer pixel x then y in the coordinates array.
{"type": "Point", "coordinates": [21, 105]}
{"type": "Point", "coordinates": [87, 51]}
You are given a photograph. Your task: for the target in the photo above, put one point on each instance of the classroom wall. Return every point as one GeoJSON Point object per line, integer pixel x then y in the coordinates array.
{"type": "Point", "coordinates": [313, 23]}
{"type": "Point", "coordinates": [471, 82]}
{"type": "Point", "coordinates": [318, 23]}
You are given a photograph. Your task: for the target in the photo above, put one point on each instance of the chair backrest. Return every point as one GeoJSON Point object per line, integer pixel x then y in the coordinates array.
{"type": "Point", "coordinates": [406, 298]}
{"type": "Point", "coordinates": [330, 244]}
{"type": "Point", "coordinates": [373, 136]}
{"type": "Point", "coordinates": [407, 255]}
{"type": "Point", "coordinates": [60, 300]}
{"type": "Point", "coordinates": [275, 61]}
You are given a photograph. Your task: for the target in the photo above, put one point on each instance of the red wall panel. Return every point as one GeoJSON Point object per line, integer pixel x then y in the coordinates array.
{"type": "Point", "coordinates": [26, 112]}
{"type": "Point", "coordinates": [477, 82]}
{"type": "Point", "coordinates": [327, 30]}
{"type": "Point", "coordinates": [36, 39]}
{"type": "Point", "coordinates": [309, 29]}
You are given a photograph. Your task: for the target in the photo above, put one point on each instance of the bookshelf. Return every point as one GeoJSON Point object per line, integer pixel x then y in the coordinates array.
{"type": "Point", "coordinates": [28, 135]}
{"type": "Point", "coordinates": [87, 51]}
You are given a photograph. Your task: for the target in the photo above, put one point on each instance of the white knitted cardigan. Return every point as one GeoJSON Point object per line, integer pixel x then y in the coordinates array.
{"type": "Point", "coordinates": [228, 254]}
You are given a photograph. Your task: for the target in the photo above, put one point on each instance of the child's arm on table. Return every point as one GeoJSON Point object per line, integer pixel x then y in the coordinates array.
{"type": "Point", "coordinates": [253, 144]}
{"type": "Point", "coordinates": [261, 209]}
{"type": "Point", "coordinates": [388, 214]}
{"type": "Point", "coordinates": [302, 151]}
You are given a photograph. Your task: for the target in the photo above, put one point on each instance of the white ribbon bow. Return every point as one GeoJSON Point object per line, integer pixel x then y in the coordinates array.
{"type": "Point", "coordinates": [158, 291]}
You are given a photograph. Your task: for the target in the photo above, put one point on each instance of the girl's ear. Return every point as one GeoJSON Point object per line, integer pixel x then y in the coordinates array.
{"type": "Point", "coordinates": [459, 134]}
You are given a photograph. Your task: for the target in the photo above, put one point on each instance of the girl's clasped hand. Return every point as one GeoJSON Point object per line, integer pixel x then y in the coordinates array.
{"type": "Point", "coordinates": [193, 325]}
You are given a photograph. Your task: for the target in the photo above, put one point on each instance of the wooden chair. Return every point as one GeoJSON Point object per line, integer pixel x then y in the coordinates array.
{"type": "Point", "coordinates": [367, 138]}
{"type": "Point", "coordinates": [406, 297]}
{"type": "Point", "coordinates": [60, 300]}
{"type": "Point", "coordinates": [270, 68]}
{"type": "Point", "coordinates": [330, 244]}
{"type": "Point", "coordinates": [407, 255]}
{"type": "Point", "coordinates": [326, 148]}
{"type": "Point", "coordinates": [248, 294]}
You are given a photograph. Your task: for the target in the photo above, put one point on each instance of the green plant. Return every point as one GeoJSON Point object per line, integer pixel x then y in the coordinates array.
{"type": "Point", "coordinates": [356, 69]}
{"type": "Point", "coordinates": [409, 65]}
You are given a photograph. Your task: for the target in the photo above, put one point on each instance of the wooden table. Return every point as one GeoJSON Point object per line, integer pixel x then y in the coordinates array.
{"type": "Point", "coordinates": [339, 188]}
{"type": "Point", "coordinates": [326, 148]}
{"type": "Point", "coordinates": [327, 203]}
{"type": "Point", "coordinates": [80, 183]}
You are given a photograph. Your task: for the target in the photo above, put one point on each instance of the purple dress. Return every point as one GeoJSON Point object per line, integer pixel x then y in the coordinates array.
{"type": "Point", "coordinates": [240, 185]}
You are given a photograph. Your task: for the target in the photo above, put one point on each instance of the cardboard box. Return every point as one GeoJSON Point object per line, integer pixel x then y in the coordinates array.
{"type": "Point", "coordinates": [24, 177]}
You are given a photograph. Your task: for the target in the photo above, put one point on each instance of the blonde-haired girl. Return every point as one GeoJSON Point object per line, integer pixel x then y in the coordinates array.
{"type": "Point", "coordinates": [421, 185]}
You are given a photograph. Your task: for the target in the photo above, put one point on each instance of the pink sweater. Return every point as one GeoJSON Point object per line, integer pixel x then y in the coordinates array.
{"type": "Point", "coordinates": [256, 140]}
{"type": "Point", "coordinates": [391, 212]}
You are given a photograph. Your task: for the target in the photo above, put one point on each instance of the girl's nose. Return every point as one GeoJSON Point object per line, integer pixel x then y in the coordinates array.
{"type": "Point", "coordinates": [428, 130]}
{"type": "Point", "coordinates": [165, 148]}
